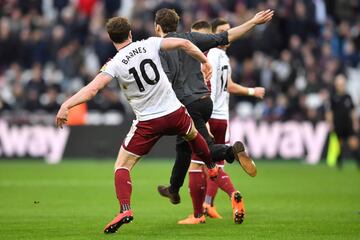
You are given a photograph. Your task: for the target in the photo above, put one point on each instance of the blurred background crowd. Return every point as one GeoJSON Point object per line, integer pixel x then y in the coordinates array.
{"type": "Point", "coordinates": [50, 48]}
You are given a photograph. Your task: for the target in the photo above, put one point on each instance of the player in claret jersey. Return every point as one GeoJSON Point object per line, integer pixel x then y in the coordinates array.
{"type": "Point", "coordinates": [221, 85]}
{"type": "Point", "coordinates": [138, 69]}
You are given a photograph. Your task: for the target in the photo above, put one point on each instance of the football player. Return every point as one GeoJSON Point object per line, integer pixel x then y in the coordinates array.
{"type": "Point", "coordinates": [138, 69]}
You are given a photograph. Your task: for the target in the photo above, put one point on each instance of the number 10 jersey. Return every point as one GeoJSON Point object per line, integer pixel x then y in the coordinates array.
{"type": "Point", "coordinates": [138, 69]}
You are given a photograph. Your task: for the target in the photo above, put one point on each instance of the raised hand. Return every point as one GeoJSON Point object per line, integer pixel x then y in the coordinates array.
{"type": "Point", "coordinates": [263, 17]}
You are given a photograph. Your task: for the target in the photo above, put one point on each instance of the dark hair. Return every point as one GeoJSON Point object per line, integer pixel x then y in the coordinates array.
{"type": "Point", "coordinates": [118, 29]}
{"type": "Point", "coordinates": [201, 25]}
{"type": "Point", "coordinates": [168, 19]}
{"type": "Point", "coordinates": [217, 22]}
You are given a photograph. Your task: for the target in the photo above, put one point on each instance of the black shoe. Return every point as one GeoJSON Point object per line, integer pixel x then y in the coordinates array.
{"type": "Point", "coordinates": [245, 161]}
{"type": "Point", "coordinates": [165, 192]}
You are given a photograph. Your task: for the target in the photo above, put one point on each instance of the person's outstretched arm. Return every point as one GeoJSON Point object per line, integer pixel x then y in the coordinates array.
{"type": "Point", "coordinates": [259, 18]}
{"type": "Point", "coordinates": [207, 41]}
{"type": "Point", "coordinates": [168, 44]}
{"type": "Point", "coordinates": [237, 89]}
{"type": "Point", "coordinates": [83, 95]}
{"type": "Point", "coordinates": [179, 43]}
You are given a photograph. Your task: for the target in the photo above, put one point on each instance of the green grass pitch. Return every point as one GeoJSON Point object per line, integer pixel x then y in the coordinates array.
{"type": "Point", "coordinates": [74, 200]}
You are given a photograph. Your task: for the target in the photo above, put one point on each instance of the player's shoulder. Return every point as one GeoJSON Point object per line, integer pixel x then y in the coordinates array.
{"type": "Point", "coordinates": [215, 50]}
{"type": "Point", "coordinates": [178, 35]}
{"type": "Point", "coordinates": [143, 46]}
{"type": "Point", "coordinates": [150, 39]}
{"type": "Point", "coordinates": [147, 41]}
{"type": "Point", "coordinates": [215, 53]}
{"type": "Point", "coordinates": [152, 43]}
{"type": "Point", "coordinates": [113, 60]}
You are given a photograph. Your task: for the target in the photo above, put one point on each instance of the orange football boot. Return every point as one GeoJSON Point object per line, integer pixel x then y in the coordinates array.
{"type": "Point", "coordinates": [211, 211]}
{"type": "Point", "coordinates": [192, 220]}
{"type": "Point", "coordinates": [238, 207]}
{"type": "Point", "coordinates": [120, 219]}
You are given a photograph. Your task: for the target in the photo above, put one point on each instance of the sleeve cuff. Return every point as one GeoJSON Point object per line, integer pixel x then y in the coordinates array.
{"type": "Point", "coordinates": [111, 74]}
{"type": "Point", "coordinates": [224, 38]}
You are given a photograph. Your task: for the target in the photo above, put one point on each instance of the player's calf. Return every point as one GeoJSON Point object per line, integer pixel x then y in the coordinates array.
{"type": "Point", "coordinates": [123, 189]}
{"type": "Point", "coordinates": [200, 148]}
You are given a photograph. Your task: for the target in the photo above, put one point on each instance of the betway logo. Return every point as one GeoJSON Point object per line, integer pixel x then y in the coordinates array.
{"type": "Point", "coordinates": [33, 141]}
{"type": "Point", "coordinates": [284, 139]}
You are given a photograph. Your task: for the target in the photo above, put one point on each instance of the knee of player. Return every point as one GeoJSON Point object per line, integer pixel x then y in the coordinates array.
{"type": "Point", "coordinates": [196, 167]}
{"type": "Point", "coordinates": [122, 165]}
{"type": "Point", "coordinates": [125, 160]}
{"type": "Point", "coordinates": [192, 134]}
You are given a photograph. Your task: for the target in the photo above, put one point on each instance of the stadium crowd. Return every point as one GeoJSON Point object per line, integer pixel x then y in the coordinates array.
{"type": "Point", "coordinates": [49, 49]}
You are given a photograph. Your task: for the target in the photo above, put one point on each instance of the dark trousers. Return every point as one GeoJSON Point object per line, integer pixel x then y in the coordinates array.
{"type": "Point", "coordinates": [354, 152]}
{"type": "Point", "coordinates": [200, 111]}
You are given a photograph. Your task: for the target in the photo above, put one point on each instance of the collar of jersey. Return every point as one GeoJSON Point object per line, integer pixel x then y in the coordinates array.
{"type": "Point", "coordinates": [126, 45]}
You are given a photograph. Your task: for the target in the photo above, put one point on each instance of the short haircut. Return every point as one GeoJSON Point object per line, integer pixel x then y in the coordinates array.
{"type": "Point", "coordinates": [217, 22]}
{"type": "Point", "coordinates": [168, 19]}
{"type": "Point", "coordinates": [201, 25]}
{"type": "Point", "coordinates": [118, 29]}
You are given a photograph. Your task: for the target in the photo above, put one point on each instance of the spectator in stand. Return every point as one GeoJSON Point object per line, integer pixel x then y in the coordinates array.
{"type": "Point", "coordinates": [296, 56]}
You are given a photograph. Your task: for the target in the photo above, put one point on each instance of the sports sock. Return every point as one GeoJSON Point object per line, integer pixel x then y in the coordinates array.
{"type": "Point", "coordinates": [211, 190]}
{"type": "Point", "coordinates": [200, 148]}
{"type": "Point", "coordinates": [123, 188]}
{"type": "Point", "coordinates": [209, 200]}
{"type": "Point", "coordinates": [197, 187]}
{"type": "Point", "coordinates": [224, 182]}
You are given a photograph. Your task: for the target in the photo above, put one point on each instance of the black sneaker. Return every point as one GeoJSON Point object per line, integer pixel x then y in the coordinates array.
{"type": "Point", "coordinates": [165, 192]}
{"type": "Point", "coordinates": [245, 161]}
